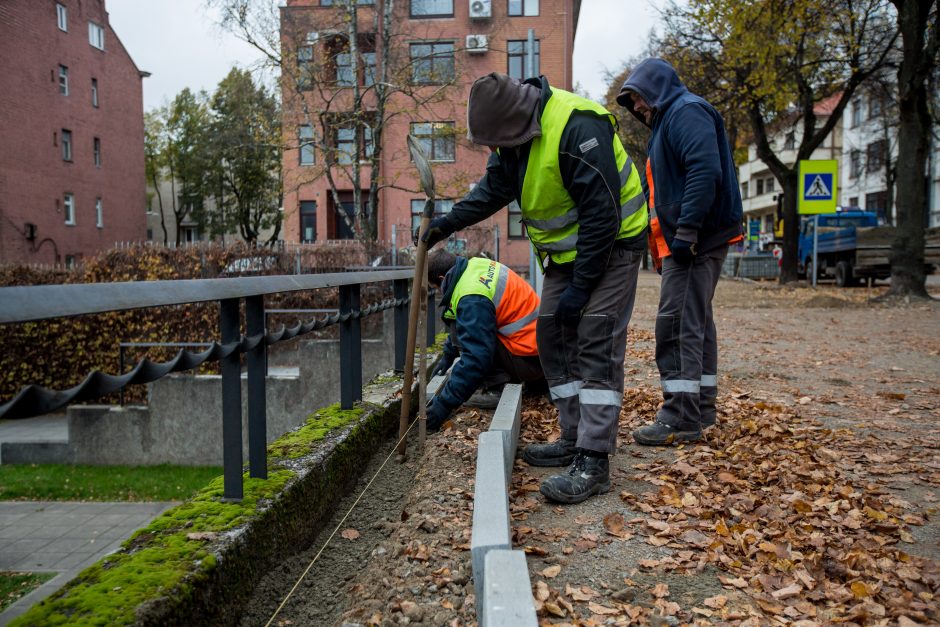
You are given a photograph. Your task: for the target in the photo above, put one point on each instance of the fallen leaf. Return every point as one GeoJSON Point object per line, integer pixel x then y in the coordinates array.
{"type": "Point", "coordinates": [350, 534]}
{"type": "Point", "coordinates": [596, 608]}
{"type": "Point", "coordinates": [551, 572]}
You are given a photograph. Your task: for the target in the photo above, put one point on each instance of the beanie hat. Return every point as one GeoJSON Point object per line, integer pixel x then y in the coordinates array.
{"type": "Point", "coordinates": [502, 111]}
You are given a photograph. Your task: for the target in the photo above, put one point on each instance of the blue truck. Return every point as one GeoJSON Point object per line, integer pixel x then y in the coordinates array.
{"type": "Point", "coordinates": [852, 247]}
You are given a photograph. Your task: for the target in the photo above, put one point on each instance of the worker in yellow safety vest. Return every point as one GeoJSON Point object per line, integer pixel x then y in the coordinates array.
{"type": "Point", "coordinates": [558, 156]}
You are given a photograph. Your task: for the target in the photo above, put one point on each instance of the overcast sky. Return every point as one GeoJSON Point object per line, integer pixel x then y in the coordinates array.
{"type": "Point", "coordinates": [179, 43]}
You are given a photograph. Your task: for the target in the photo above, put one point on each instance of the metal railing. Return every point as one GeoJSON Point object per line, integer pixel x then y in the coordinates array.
{"type": "Point", "coordinates": [43, 302]}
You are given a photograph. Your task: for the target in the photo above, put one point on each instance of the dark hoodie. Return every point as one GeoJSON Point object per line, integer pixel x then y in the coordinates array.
{"type": "Point", "coordinates": [696, 192]}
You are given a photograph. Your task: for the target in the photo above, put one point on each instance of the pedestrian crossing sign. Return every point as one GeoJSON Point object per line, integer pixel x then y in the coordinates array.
{"type": "Point", "coordinates": [818, 186]}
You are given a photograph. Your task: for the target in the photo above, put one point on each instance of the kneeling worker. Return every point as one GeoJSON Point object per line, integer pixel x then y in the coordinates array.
{"type": "Point", "coordinates": [491, 312]}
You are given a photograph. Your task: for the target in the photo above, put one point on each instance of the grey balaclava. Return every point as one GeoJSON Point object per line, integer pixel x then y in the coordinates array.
{"type": "Point", "coordinates": [502, 111]}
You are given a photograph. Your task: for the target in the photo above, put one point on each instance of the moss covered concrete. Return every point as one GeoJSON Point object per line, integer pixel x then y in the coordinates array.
{"type": "Point", "coordinates": [197, 562]}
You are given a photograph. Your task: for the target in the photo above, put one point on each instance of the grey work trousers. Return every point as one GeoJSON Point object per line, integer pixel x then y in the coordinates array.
{"type": "Point", "coordinates": [686, 341]}
{"type": "Point", "coordinates": [584, 365]}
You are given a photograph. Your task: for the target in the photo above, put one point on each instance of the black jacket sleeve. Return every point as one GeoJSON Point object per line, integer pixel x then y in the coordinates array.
{"type": "Point", "coordinates": [491, 193]}
{"type": "Point", "coordinates": [476, 333]}
{"type": "Point", "coordinates": [589, 171]}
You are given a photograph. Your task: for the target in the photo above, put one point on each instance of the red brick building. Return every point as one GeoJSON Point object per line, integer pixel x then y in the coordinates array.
{"type": "Point", "coordinates": [437, 48]}
{"type": "Point", "coordinates": [72, 133]}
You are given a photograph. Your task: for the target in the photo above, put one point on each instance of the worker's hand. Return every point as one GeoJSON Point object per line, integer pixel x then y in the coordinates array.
{"type": "Point", "coordinates": [682, 251]}
{"type": "Point", "coordinates": [437, 415]}
{"type": "Point", "coordinates": [439, 229]}
{"type": "Point", "coordinates": [570, 306]}
{"type": "Point", "coordinates": [442, 367]}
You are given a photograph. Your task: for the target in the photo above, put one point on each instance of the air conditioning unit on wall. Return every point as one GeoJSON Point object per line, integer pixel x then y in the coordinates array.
{"type": "Point", "coordinates": [480, 9]}
{"type": "Point", "coordinates": [476, 44]}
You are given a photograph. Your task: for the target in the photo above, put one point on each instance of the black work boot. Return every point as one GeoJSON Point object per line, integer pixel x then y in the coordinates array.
{"type": "Point", "coordinates": [585, 477]}
{"type": "Point", "coordinates": [661, 434]}
{"type": "Point", "coordinates": [561, 452]}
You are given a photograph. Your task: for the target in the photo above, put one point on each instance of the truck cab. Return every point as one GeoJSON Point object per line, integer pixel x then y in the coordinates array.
{"type": "Point", "coordinates": [837, 245]}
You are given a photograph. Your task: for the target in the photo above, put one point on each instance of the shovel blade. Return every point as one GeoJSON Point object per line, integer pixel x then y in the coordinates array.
{"type": "Point", "coordinates": [424, 166]}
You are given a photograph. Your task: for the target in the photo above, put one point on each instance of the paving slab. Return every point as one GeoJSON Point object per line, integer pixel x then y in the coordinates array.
{"type": "Point", "coordinates": [64, 538]}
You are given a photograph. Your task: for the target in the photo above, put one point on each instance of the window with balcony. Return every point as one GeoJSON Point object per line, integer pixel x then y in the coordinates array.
{"type": "Point", "coordinates": [432, 8]}
{"type": "Point", "coordinates": [517, 51]}
{"type": "Point", "coordinates": [519, 8]}
{"type": "Point", "coordinates": [63, 80]}
{"type": "Point", "coordinates": [436, 138]}
{"type": "Point", "coordinates": [96, 35]}
{"type": "Point", "coordinates": [308, 221]}
{"type": "Point", "coordinates": [66, 145]}
{"type": "Point", "coordinates": [432, 63]}
{"type": "Point", "coordinates": [62, 17]}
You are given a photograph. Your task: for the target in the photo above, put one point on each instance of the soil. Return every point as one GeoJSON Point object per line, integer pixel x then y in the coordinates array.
{"type": "Point", "coordinates": [857, 382]}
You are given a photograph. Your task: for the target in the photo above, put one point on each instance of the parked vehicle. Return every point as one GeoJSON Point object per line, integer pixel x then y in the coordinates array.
{"type": "Point", "coordinates": [852, 247]}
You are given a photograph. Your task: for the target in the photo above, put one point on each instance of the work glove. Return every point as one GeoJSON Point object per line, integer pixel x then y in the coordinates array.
{"type": "Point", "coordinates": [437, 415]}
{"type": "Point", "coordinates": [570, 306]}
{"type": "Point", "coordinates": [443, 366]}
{"type": "Point", "coordinates": [682, 251]}
{"type": "Point", "coordinates": [439, 229]}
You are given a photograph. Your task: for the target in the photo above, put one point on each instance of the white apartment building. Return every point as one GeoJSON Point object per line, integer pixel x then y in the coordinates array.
{"type": "Point", "coordinates": [864, 144]}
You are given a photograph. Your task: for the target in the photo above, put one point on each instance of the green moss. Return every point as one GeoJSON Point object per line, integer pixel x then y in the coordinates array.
{"type": "Point", "coordinates": [158, 560]}
{"type": "Point", "coordinates": [438, 344]}
{"type": "Point", "coordinates": [383, 379]}
{"type": "Point", "coordinates": [298, 443]}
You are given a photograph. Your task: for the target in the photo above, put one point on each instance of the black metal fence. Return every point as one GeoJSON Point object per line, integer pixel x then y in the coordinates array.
{"type": "Point", "coordinates": [43, 302]}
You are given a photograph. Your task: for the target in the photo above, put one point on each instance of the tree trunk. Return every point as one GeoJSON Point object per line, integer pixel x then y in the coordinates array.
{"type": "Point", "coordinates": [789, 270]}
{"type": "Point", "coordinates": [907, 250]}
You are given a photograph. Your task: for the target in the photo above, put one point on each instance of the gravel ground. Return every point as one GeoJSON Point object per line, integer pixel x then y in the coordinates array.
{"type": "Point", "coordinates": [828, 357]}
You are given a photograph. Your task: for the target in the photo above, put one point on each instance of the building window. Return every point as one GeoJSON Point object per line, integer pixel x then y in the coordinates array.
{"type": "Point", "coordinates": [874, 107]}
{"type": "Point", "coordinates": [744, 190]}
{"type": "Point", "coordinates": [62, 15]}
{"type": "Point", "coordinates": [99, 214]}
{"type": "Point", "coordinates": [441, 207]}
{"type": "Point", "coordinates": [789, 142]}
{"type": "Point", "coordinates": [856, 112]}
{"type": "Point", "coordinates": [769, 185]}
{"type": "Point", "coordinates": [69, 262]}
{"type": "Point", "coordinates": [345, 145]}
{"type": "Point", "coordinates": [308, 221]}
{"type": "Point", "coordinates": [853, 202]}
{"type": "Point", "coordinates": [523, 7]}
{"type": "Point", "coordinates": [68, 208]}
{"type": "Point", "coordinates": [432, 8]}
{"type": "Point", "coordinates": [307, 153]}
{"type": "Point", "coordinates": [343, 61]}
{"type": "Point", "coordinates": [437, 139]}
{"type": "Point", "coordinates": [63, 80]}
{"type": "Point", "coordinates": [875, 157]}
{"type": "Point", "coordinates": [97, 144]}
{"type": "Point", "coordinates": [855, 165]}
{"type": "Point", "coordinates": [344, 70]}
{"type": "Point", "coordinates": [432, 63]}
{"type": "Point", "coordinates": [305, 67]}
{"type": "Point", "coordinates": [760, 187]}
{"type": "Point", "coordinates": [329, 3]}
{"type": "Point", "coordinates": [517, 51]}
{"type": "Point", "coordinates": [96, 35]}
{"type": "Point", "coordinates": [877, 202]}
{"type": "Point", "coordinates": [515, 230]}
{"type": "Point", "coordinates": [66, 145]}
{"type": "Point", "coordinates": [94, 92]}
{"type": "Point", "coordinates": [368, 68]}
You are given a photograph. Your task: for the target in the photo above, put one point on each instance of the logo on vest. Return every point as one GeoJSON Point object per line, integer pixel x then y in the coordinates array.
{"type": "Point", "coordinates": [487, 279]}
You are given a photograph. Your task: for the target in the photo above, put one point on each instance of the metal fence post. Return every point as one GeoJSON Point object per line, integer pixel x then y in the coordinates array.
{"type": "Point", "coordinates": [350, 347]}
{"type": "Point", "coordinates": [400, 287]}
{"type": "Point", "coordinates": [257, 400]}
{"type": "Point", "coordinates": [432, 315]}
{"type": "Point", "coordinates": [231, 403]}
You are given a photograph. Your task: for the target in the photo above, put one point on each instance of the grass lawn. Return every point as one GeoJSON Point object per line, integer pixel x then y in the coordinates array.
{"type": "Point", "coordinates": [15, 585]}
{"type": "Point", "coordinates": [61, 482]}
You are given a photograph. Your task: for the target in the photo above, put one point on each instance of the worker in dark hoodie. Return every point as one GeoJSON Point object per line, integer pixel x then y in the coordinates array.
{"type": "Point", "coordinates": [559, 157]}
{"type": "Point", "coordinates": [491, 313]}
{"type": "Point", "coordinates": [695, 211]}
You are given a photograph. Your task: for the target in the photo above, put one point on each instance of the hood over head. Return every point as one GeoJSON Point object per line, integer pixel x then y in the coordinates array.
{"type": "Point", "coordinates": [656, 82]}
{"type": "Point", "coordinates": [502, 111]}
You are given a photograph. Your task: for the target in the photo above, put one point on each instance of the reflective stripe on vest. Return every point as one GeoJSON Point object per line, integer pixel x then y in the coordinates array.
{"type": "Point", "coordinates": [516, 303]}
{"type": "Point", "coordinates": [548, 211]}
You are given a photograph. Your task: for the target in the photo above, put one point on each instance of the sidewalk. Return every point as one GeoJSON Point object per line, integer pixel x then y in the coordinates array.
{"type": "Point", "coordinates": [63, 537]}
